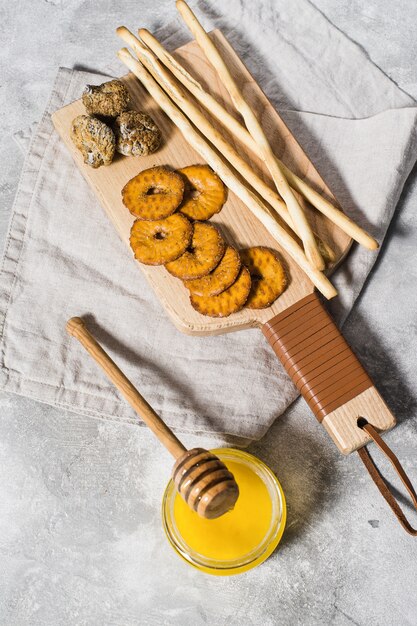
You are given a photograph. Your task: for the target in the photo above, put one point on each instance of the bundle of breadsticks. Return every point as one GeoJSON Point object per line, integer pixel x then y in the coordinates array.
{"type": "Point", "coordinates": [167, 88]}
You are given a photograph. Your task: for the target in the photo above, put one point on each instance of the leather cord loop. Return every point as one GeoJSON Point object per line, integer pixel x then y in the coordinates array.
{"type": "Point", "coordinates": [380, 481]}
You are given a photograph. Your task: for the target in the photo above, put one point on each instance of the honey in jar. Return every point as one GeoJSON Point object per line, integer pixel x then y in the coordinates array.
{"type": "Point", "coordinates": [240, 539]}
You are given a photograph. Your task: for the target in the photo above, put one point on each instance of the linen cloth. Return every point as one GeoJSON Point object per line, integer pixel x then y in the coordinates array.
{"type": "Point", "coordinates": [63, 257]}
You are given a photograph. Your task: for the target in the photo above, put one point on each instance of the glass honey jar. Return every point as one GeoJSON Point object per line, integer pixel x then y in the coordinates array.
{"type": "Point", "coordinates": [240, 539]}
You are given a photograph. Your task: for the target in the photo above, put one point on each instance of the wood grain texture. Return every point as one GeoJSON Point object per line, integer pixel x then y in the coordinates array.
{"type": "Point", "coordinates": [238, 225]}
{"type": "Point", "coordinates": [342, 426]}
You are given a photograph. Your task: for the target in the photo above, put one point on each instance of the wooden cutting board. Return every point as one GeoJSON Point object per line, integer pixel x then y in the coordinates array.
{"type": "Point", "coordinates": [236, 222]}
{"type": "Point", "coordinates": [297, 326]}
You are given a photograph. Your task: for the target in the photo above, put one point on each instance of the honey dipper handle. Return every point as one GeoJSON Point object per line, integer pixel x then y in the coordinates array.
{"type": "Point", "coordinates": [77, 328]}
{"type": "Point", "coordinates": [327, 373]}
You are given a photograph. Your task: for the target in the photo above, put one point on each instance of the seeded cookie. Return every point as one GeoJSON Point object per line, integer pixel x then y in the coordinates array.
{"type": "Point", "coordinates": [136, 134]}
{"type": "Point", "coordinates": [108, 99]}
{"type": "Point", "coordinates": [94, 139]}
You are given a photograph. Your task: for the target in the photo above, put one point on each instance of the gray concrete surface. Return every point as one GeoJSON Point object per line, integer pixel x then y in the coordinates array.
{"type": "Point", "coordinates": [80, 535]}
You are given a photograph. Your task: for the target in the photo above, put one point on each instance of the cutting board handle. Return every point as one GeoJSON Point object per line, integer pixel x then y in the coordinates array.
{"type": "Point", "coordinates": [327, 373]}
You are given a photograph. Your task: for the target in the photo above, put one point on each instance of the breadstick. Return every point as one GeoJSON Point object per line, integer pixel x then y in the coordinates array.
{"type": "Point", "coordinates": [255, 129]}
{"type": "Point", "coordinates": [235, 128]}
{"type": "Point", "coordinates": [226, 174]}
{"type": "Point", "coordinates": [194, 87]}
{"type": "Point", "coordinates": [150, 61]}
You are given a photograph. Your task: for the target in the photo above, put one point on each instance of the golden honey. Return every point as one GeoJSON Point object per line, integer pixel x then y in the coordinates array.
{"type": "Point", "coordinates": [239, 540]}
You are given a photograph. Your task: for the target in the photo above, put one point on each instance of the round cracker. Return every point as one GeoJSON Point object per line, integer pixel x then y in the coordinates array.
{"type": "Point", "coordinates": [160, 241]}
{"type": "Point", "coordinates": [204, 193]}
{"type": "Point", "coordinates": [268, 276]}
{"type": "Point", "coordinates": [203, 255]}
{"type": "Point", "coordinates": [229, 301]}
{"type": "Point", "coordinates": [153, 194]}
{"type": "Point", "coordinates": [220, 279]}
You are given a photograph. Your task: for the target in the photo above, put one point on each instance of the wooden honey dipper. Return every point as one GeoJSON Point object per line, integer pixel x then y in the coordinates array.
{"type": "Point", "coordinates": [201, 478]}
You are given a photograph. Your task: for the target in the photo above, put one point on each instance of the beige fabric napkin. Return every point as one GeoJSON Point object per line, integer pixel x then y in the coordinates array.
{"type": "Point", "coordinates": [63, 257]}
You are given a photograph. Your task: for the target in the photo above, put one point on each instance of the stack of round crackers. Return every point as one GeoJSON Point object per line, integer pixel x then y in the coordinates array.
{"type": "Point", "coordinates": [171, 229]}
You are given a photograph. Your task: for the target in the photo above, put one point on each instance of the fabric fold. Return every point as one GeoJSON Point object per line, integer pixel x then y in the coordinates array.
{"type": "Point", "coordinates": [63, 257]}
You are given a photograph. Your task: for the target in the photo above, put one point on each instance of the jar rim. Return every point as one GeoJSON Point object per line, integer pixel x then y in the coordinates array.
{"type": "Point", "coordinates": [250, 559]}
